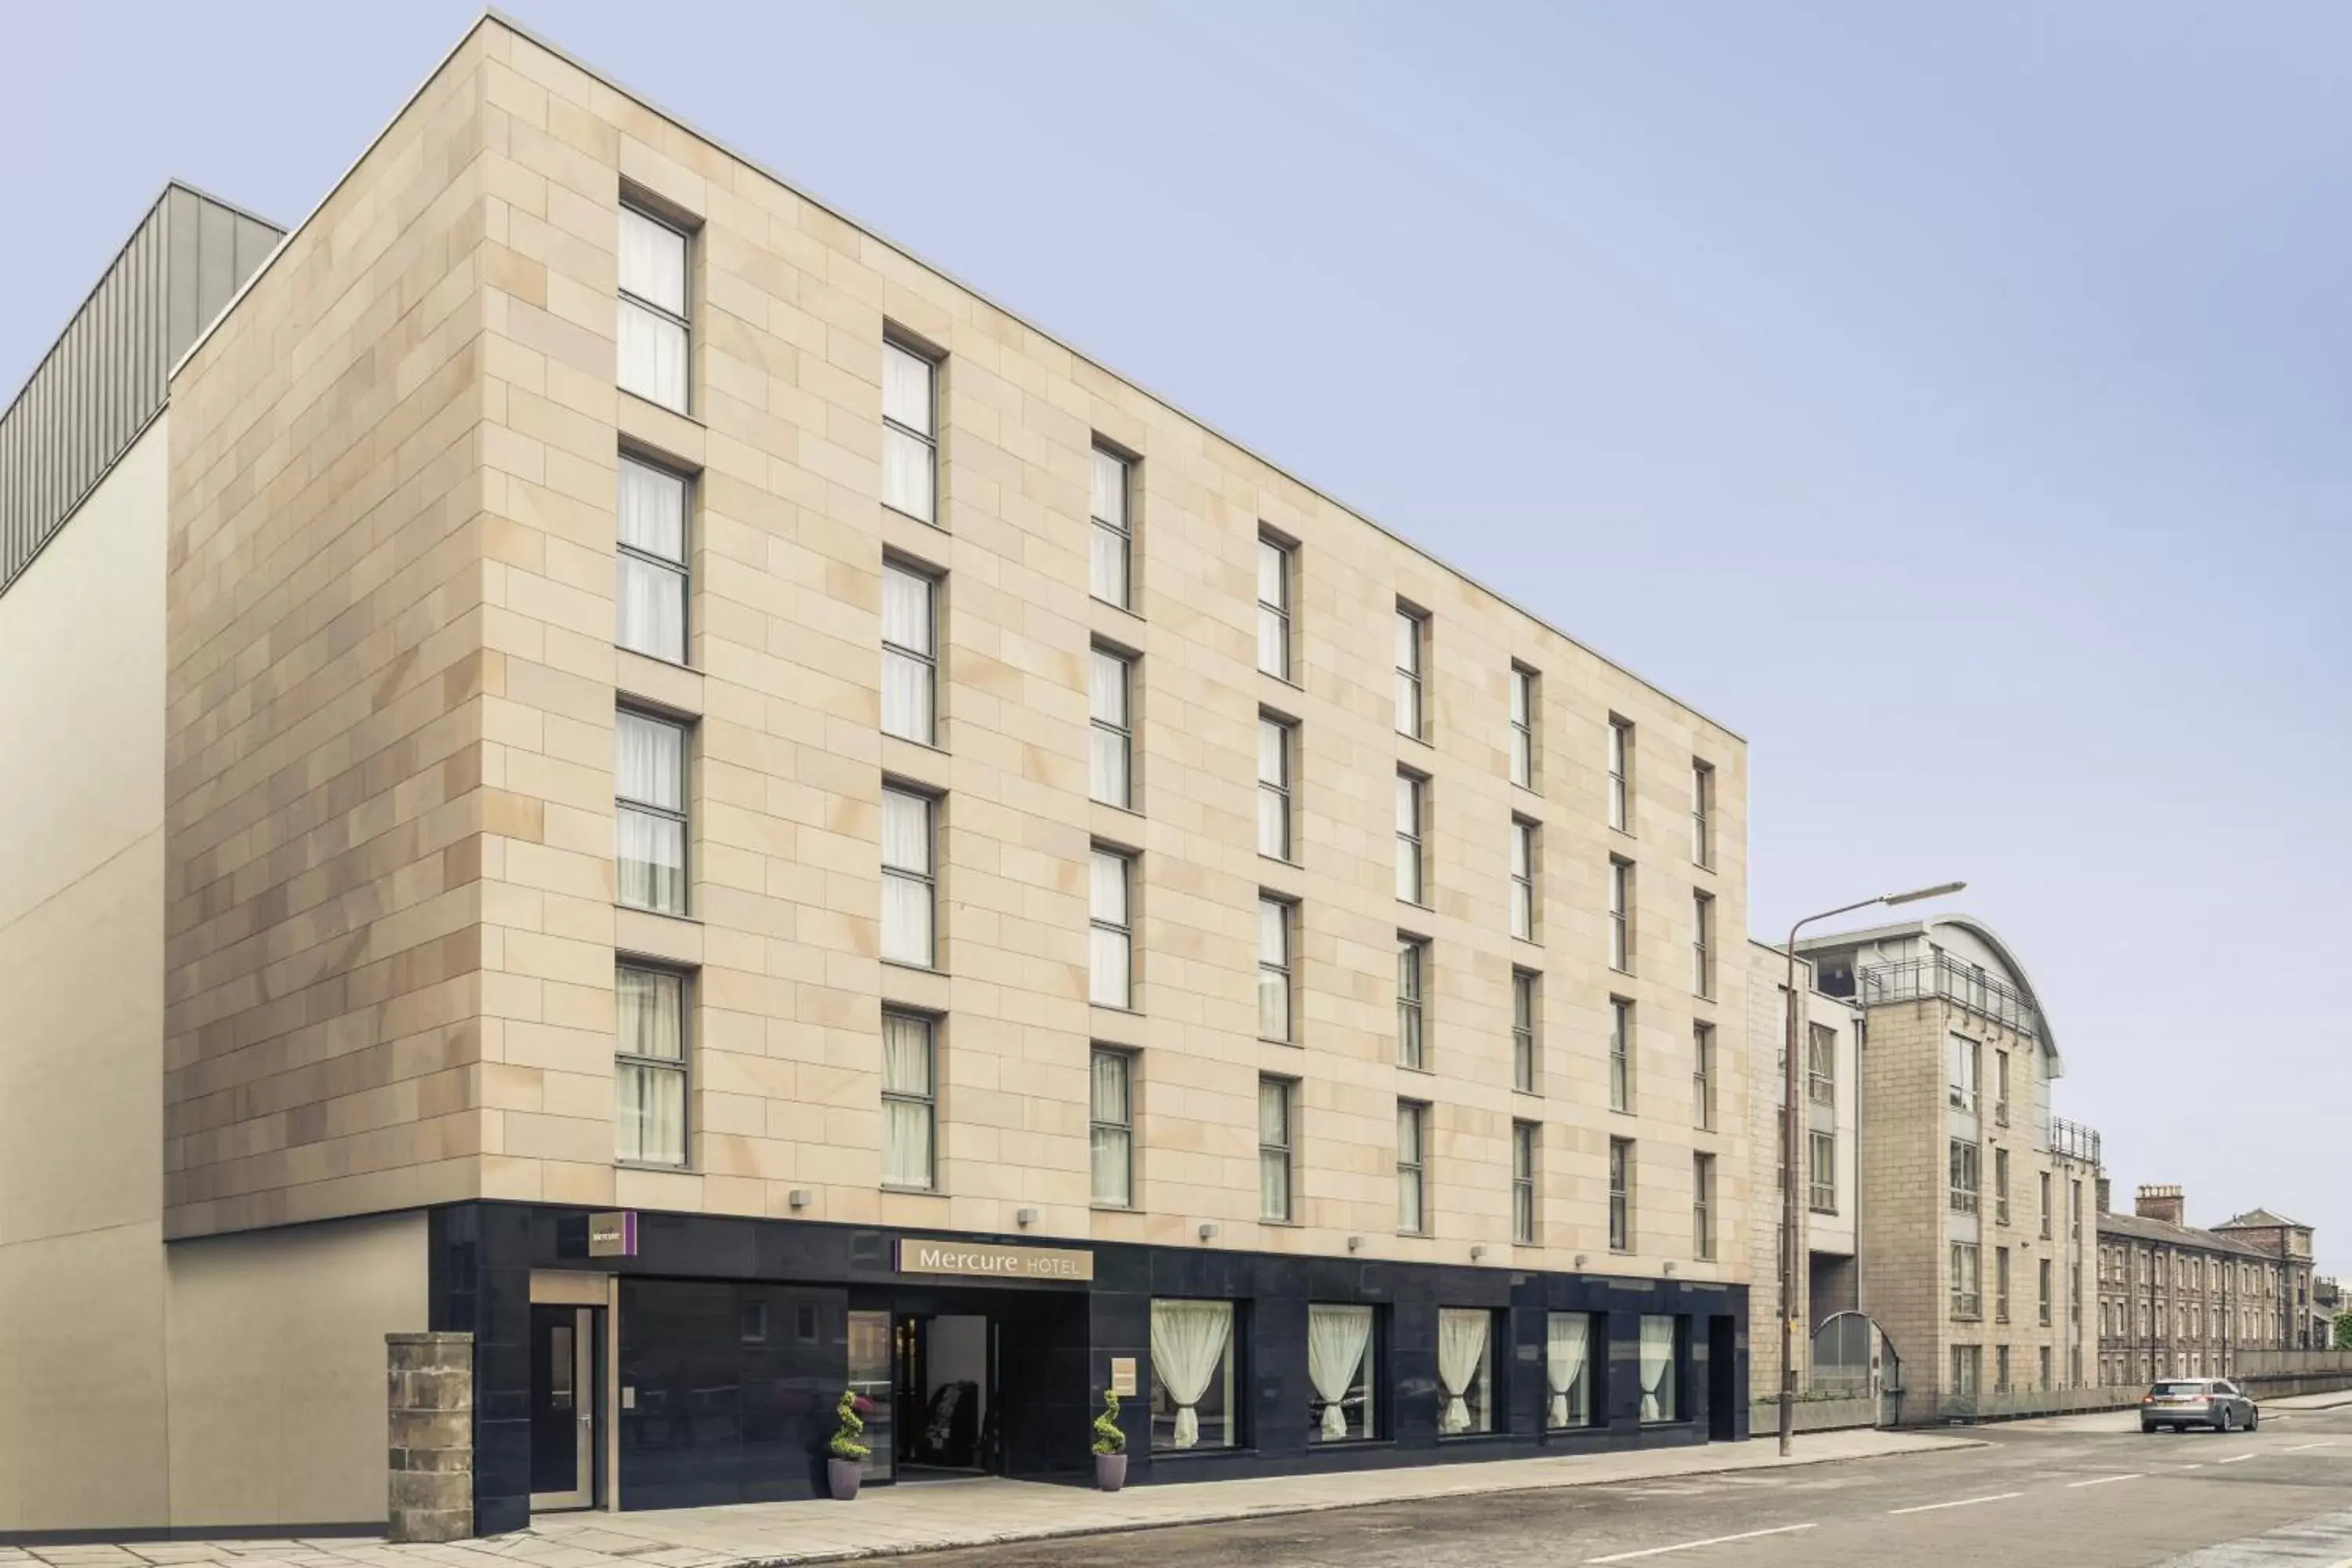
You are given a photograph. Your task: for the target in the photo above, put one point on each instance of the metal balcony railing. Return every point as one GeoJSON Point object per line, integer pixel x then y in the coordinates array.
{"type": "Point", "coordinates": [1914, 979]}
{"type": "Point", "coordinates": [2073, 1140]}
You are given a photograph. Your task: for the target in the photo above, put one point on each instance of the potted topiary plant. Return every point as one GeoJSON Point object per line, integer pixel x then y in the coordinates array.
{"type": "Point", "coordinates": [845, 1454]}
{"type": "Point", "coordinates": [1110, 1446]}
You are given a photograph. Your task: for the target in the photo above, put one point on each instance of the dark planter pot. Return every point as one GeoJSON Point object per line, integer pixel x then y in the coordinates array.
{"type": "Point", "coordinates": [1110, 1471]}
{"type": "Point", "coordinates": [841, 1478]}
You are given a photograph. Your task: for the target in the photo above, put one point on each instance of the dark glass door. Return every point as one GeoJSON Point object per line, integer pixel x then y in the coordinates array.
{"type": "Point", "coordinates": [1722, 1378]}
{"type": "Point", "coordinates": [563, 1407]}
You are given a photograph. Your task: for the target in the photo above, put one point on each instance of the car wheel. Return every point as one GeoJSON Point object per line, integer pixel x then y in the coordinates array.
{"type": "Point", "coordinates": [2227, 1424]}
{"type": "Point", "coordinates": [2253, 1418]}
{"type": "Point", "coordinates": [2147, 1426]}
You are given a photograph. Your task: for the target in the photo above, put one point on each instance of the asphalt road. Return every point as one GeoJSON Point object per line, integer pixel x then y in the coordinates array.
{"type": "Point", "coordinates": [2083, 1490]}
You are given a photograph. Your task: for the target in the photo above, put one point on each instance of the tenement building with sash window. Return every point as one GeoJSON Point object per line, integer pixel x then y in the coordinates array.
{"type": "Point", "coordinates": [665, 788]}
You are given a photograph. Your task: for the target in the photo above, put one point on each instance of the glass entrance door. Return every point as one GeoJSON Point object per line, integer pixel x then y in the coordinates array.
{"type": "Point", "coordinates": [564, 1424]}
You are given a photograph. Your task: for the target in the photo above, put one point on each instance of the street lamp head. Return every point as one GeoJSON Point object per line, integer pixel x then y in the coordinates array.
{"type": "Point", "coordinates": [1916, 894]}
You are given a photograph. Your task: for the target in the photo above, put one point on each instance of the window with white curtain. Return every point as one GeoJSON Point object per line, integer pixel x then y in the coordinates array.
{"type": "Point", "coordinates": [1276, 920]}
{"type": "Point", "coordinates": [1412, 1166]}
{"type": "Point", "coordinates": [649, 585]}
{"type": "Point", "coordinates": [1343, 1354]}
{"type": "Point", "coordinates": [911, 660]}
{"type": "Point", "coordinates": [1567, 1369]}
{"type": "Point", "coordinates": [1410, 789]}
{"type": "Point", "coordinates": [1111, 940]}
{"type": "Point", "coordinates": [1661, 1347]}
{"type": "Point", "coordinates": [1276, 746]}
{"type": "Point", "coordinates": [1277, 1104]}
{"type": "Point", "coordinates": [1621, 1194]}
{"type": "Point", "coordinates": [909, 432]}
{"type": "Point", "coordinates": [1621, 1054]}
{"type": "Point", "coordinates": [1703, 1206]}
{"type": "Point", "coordinates": [1702, 813]}
{"type": "Point", "coordinates": [909, 1100]}
{"type": "Point", "coordinates": [909, 886]}
{"type": "Point", "coordinates": [1523, 879]}
{"type": "Point", "coordinates": [1192, 1402]}
{"type": "Point", "coordinates": [1702, 944]}
{"type": "Point", "coordinates": [1703, 1076]}
{"type": "Point", "coordinates": [1523, 726]}
{"type": "Point", "coordinates": [653, 335]}
{"type": "Point", "coordinates": [649, 812]}
{"type": "Point", "coordinates": [1111, 680]}
{"type": "Point", "coordinates": [1110, 1132]}
{"type": "Point", "coordinates": [1412, 960]}
{"type": "Point", "coordinates": [1523, 1182]}
{"type": "Point", "coordinates": [1276, 563]}
{"type": "Point", "coordinates": [1526, 1009]}
{"type": "Point", "coordinates": [1466, 1371]}
{"type": "Point", "coordinates": [1620, 915]}
{"type": "Point", "coordinates": [1110, 572]}
{"type": "Point", "coordinates": [1411, 639]}
{"type": "Point", "coordinates": [649, 1066]}
{"type": "Point", "coordinates": [1621, 775]}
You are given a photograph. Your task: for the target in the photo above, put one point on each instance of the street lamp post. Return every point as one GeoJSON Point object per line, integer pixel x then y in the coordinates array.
{"type": "Point", "coordinates": [1789, 1152]}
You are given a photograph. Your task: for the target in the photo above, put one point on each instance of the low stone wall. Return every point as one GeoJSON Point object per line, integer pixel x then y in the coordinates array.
{"type": "Point", "coordinates": [2024, 1404]}
{"type": "Point", "coordinates": [1814, 1414]}
{"type": "Point", "coordinates": [429, 1394]}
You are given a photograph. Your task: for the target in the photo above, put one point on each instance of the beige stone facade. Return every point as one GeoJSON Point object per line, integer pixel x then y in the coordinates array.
{"type": "Point", "coordinates": [392, 921]}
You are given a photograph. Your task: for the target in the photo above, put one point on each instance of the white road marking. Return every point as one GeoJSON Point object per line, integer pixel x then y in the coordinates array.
{"type": "Point", "coordinates": [1956, 1502]}
{"type": "Point", "coordinates": [2194, 1465]}
{"type": "Point", "coordinates": [1688, 1545]}
{"type": "Point", "coordinates": [2305, 1447]}
{"type": "Point", "coordinates": [2103, 1480]}
{"type": "Point", "coordinates": [2235, 1460]}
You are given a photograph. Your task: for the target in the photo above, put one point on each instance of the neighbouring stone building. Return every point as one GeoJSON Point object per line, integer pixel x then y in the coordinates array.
{"type": "Point", "coordinates": [663, 786]}
{"type": "Point", "coordinates": [2287, 1244]}
{"type": "Point", "coordinates": [2179, 1301]}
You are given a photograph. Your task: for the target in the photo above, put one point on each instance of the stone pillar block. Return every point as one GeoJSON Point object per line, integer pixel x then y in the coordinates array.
{"type": "Point", "coordinates": [429, 1397]}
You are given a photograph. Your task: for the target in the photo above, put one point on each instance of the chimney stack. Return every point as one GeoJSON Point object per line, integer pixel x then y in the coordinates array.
{"type": "Point", "coordinates": [2163, 1203]}
{"type": "Point", "coordinates": [2107, 1195]}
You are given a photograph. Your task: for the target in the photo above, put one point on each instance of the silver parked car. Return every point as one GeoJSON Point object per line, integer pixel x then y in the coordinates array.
{"type": "Point", "coordinates": [2183, 1401]}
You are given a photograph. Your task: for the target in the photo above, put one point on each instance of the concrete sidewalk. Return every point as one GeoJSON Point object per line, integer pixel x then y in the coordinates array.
{"type": "Point", "coordinates": [933, 1515]}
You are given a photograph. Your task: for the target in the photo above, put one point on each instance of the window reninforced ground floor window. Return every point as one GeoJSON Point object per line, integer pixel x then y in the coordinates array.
{"type": "Point", "coordinates": [1466, 1370]}
{"type": "Point", "coordinates": [1343, 1357]}
{"type": "Point", "coordinates": [1968, 1361]}
{"type": "Point", "coordinates": [1567, 1369]}
{"type": "Point", "coordinates": [1192, 1402]}
{"type": "Point", "coordinates": [1661, 1355]}
{"type": "Point", "coordinates": [649, 1067]}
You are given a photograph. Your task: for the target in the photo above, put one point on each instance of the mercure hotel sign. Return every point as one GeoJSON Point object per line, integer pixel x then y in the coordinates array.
{"type": "Point", "coordinates": [918, 1255]}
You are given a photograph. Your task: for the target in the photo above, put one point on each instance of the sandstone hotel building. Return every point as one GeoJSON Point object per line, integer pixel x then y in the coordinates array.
{"type": "Point", "coordinates": [601, 759]}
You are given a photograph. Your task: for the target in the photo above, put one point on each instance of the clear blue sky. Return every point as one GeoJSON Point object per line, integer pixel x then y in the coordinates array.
{"type": "Point", "coordinates": [1953, 401]}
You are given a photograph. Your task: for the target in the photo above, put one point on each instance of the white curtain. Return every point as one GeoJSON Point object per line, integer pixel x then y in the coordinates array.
{"type": "Point", "coordinates": [651, 854]}
{"type": "Point", "coordinates": [1461, 1356]}
{"type": "Point", "coordinates": [653, 261]}
{"type": "Point", "coordinates": [1274, 969]}
{"type": "Point", "coordinates": [1107, 489]}
{"type": "Point", "coordinates": [1337, 1339]}
{"type": "Point", "coordinates": [1273, 1149]}
{"type": "Point", "coordinates": [1107, 705]}
{"type": "Point", "coordinates": [907, 389]}
{"type": "Point", "coordinates": [651, 512]}
{"type": "Point", "coordinates": [1108, 959]}
{"type": "Point", "coordinates": [653, 352]}
{"type": "Point", "coordinates": [652, 609]}
{"type": "Point", "coordinates": [1112, 1136]}
{"type": "Point", "coordinates": [1188, 1346]}
{"type": "Point", "coordinates": [906, 1101]}
{"type": "Point", "coordinates": [649, 1015]}
{"type": "Point", "coordinates": [1566, 1334]}
{"type": "Point", "coordinates": [909, 675]}
{"type": "Point", "coordinates": [1657, 1365]}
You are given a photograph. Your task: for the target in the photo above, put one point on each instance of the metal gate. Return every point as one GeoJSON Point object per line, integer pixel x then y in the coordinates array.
{"type": "Point", "coordinates": [1853, 1357]}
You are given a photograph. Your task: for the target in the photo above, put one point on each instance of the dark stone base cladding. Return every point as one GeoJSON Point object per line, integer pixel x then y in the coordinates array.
{"type": "Point", "coordinates": [726, 1416]}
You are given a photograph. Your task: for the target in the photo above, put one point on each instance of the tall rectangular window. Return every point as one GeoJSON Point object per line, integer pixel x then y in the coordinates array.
{"type": "Point", "coordinates": [1703, 1206]}
{"type": "Point", "coordinates": [649, 1066]}
{"type": "Point", "coordinates": [1962, 1093]}
{"type": "Point", "coordinates": [1967, 1299]}
{"type": "Point", "coordinates": [1523, 1182]}
{"type": "Point", "coordinates": [1412, 1166]}
{"type": "Point", "coordinates": [1111, 680]}
{"type": "Point", "coordinates": [1523, 727]}
{"type": "Point", "coordinates": [1412, 958]}
{"type": "Point", "coordinates": [1702, 944]}
{"type": "Point", "coordinates": [1702, 813]}
{"type": "Point", "coordinates": [909, 433]}
{"type": "Point", "coordinates": [1703, 1076]}
{"type": "Point", "coordinates": [1820, 1185]}
{"type": "Point", "coordinates": [1411, 639]}
{"type": "Point", "coordinates": [1620, 775]}
{"type": "Point", "coordinates": [1109, 573]}
{"type": "Point", "coordinates": [1410, 791]}
{"type": "Point", "coordinates": [1821, 1064]}
{"type": "Point", "coordinates": [1276, 920]}
{"type": "Point", "coordinates": [649, 812]}
{"type": "Point", "coordinates": [1110, 951]}
{"type": "Point", "coordinates": [1276, 567]}
{"type": "Point", "coordinates": [1523, 879]}
{"type": "Point", "coordinates": [1964, 1176]}
{"type": "Point", "coordinates": [1621, 1054]}
{"type": "Point", "coordinates": [1526, 1008]}
{"type": "Point", "coordinates": [909, 1100]}
{"type": "Point", "coordinates": [2000, 1284]}
{"type": "Point", "coordinates": [2043, 1295]}
{"type": "Point", "coordinates": [2001, 1187]}
{"type": "Point", "coordinates": [1621, 1194]}
{"type": "Point", "coordinates": [2045, 1205]}
{"type": "Point", "coordinates": [1110, 1132]}
{"type": "Point", "coordinates": [650, 582]}
{"type": "Point", "coordinates": [653, 327]}
{"type": "Point", "coordinates": [1277, 1101]}
{"type": "Point", "coordinates": [1276, 748]}
{"type": "Point", "coordinates": [910, 668]}
{"type": "Point", "coordinates": [1620, 915]}
{"type": "Point", "coordinates": [909, 887]}
{"type": "Point", "coordinates": [2000, 1088]}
